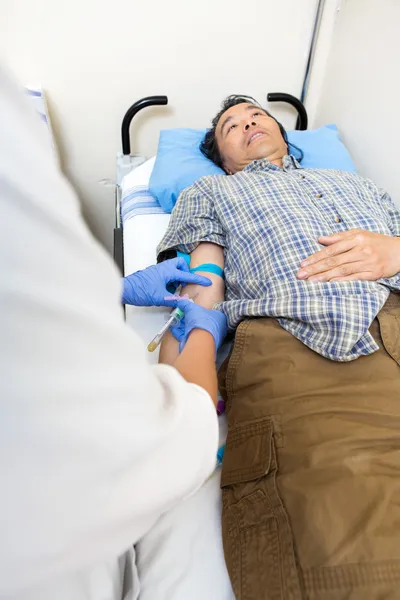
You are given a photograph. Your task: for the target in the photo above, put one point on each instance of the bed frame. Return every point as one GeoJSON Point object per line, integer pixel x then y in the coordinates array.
{"type": "Point", "coordinates": [301, 124]}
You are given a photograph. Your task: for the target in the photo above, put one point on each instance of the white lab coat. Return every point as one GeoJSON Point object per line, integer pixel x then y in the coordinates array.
{"type": "Point", "coordinates": [95, 443]}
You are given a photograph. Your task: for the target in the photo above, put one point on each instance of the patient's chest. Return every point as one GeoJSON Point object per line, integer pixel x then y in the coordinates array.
{"type": "Point", "coordinates": [272, 221]}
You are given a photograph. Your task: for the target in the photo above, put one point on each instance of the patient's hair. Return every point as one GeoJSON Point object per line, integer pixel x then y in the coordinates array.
{"type": "Point", "coordinates": [209, 145]}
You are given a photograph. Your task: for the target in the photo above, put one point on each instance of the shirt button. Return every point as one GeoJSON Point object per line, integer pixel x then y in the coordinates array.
{"type": "Point", "coordinates": [338, 220]}
{"type": "Point", "coordinates": [318, 195]}
{"type": "Point", "coordinates": [302, 176]}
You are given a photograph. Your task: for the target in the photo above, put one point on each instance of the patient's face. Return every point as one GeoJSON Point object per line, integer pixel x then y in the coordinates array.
{"type": "Point", "coordinates": [245, 133]}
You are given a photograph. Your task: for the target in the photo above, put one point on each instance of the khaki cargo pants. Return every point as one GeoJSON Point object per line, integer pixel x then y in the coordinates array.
{"type": "Point", "coordinates": [311, 473]}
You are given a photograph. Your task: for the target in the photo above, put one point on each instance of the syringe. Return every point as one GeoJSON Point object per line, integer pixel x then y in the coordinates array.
{"type": "Point", "coordinates": [174, 318]}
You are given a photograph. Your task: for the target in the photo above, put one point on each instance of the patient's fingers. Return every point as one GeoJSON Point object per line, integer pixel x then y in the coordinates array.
{"type": "Point", "coordinates": [353, 270]}
{"type": "Point", "coordinates": [329, 251]}
{"type": "Point", "coordinates": [342, 263]}
{"type": "Point", "coordinates": [342, 235]}
{"type": "Point", "coordinates": [364, 276]}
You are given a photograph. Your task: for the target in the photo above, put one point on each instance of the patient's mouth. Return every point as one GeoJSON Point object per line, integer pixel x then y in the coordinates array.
{"type": "Point", "coordinates": [255, 136]}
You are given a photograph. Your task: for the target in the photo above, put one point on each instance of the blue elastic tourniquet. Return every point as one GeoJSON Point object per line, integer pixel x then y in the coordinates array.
{"type": "Point", "coordinates": [185, 256]}
{"type": "Point", "coordinates": [209, 268]}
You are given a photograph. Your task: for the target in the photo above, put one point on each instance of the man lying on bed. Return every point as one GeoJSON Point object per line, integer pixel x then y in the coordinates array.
{"type": "Point", "coordinates": [310, 477]}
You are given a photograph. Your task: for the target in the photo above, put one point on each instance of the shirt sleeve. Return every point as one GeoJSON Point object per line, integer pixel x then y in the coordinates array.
{"type": "Point", "coordinates": [193, 220]}
{"type": "Point", "coordinates": [393, 216]}
{"type": "Point", "coordinates": [96, 443]}
{"type": "Point", "coordinates": [392, 211]}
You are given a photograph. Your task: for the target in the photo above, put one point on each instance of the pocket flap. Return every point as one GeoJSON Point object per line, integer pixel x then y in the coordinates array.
{"type": "Point", "coordinates": [389, 321]}
{"type": "Point", "coordinates": [248, 452]}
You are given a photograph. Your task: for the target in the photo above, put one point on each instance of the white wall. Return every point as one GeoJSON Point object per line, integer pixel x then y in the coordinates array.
{"type": "Point", "coordinates": [95, 57]}
{"type": "Point", "coordinates": [361, 87]}
{"type": "Point", "coordinates": [321, 54]}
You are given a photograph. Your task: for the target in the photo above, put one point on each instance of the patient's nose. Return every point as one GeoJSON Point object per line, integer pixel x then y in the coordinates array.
{"type": "Point", "coordinates": [247, 126]}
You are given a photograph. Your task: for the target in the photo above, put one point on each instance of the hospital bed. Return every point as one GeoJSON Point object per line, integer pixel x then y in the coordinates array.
{"type": "Point", "coordinates": [182, 556]}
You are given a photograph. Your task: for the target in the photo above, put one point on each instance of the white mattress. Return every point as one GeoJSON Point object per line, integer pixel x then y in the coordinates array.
{"type": "Point", "coordinates": [182, 556]}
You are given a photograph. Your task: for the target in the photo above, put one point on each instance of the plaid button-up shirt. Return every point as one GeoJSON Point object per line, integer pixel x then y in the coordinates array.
{"type": "Point", "coordinates": [268, 220]}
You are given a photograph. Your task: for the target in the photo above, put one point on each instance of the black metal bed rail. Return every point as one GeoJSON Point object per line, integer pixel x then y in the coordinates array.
{"type": "Point", "coordinates": [302, 118]}
{"type": "Point", "coordinates": [301, 124]}
{"type": "Point", "coordinates": [131, 112]}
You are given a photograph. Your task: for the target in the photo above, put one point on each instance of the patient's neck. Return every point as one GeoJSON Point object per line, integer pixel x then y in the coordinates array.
{"type": "Point", "coordinates": [277, 161]}
{"type": "Point", "coordinates": [276, 157]}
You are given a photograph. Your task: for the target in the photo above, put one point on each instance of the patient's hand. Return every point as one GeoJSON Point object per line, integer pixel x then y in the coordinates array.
{"type": "Point", "coordinates": [353, 254]}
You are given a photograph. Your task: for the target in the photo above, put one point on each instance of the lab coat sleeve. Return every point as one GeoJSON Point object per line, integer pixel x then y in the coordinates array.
{"type": "Point", "coordinates": [96, 444]}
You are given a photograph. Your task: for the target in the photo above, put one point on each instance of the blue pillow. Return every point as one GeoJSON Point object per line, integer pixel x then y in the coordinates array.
{"type": "Point", "coordinates": [322, 149]}
{"type": "Point", "coordinates": [180, 163]}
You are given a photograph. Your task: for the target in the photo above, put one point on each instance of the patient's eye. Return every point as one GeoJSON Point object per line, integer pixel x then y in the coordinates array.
{"type": "Point", "coordinates": [257, 113]}
{"type": "Point", "coordinates": [232, 127]}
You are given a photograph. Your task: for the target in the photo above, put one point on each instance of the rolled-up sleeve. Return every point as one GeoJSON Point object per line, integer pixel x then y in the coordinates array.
{"type": "Point", "coordinates": [193, 220]}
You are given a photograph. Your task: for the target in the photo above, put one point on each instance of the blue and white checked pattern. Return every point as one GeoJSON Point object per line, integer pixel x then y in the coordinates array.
{"type": "Point", "coordinates": [138, 201]}
{"type": "Point", "coordinates": [268, 220]}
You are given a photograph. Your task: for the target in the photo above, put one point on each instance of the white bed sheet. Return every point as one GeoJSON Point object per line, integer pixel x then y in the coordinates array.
{"type": "Point", "coordinates": [141, 236]}
{"type": "Point", "coordinates": [182, 556]}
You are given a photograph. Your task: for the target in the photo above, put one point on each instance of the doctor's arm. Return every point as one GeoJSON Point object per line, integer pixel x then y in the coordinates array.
{"type": "Point", "coordinates": [96, 443]}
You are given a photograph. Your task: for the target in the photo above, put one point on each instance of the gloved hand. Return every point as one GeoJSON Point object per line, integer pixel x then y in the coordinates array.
{"type": "Point", "coordinates": [149, 287]}
{"type": "Point", "coordinates": [197, 317]}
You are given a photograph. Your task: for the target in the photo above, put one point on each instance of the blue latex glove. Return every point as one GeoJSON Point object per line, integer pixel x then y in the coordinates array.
{"type": "Point", "coordinates": [149, 287]}
{"type": "Point", "coordinates": [197, 317]}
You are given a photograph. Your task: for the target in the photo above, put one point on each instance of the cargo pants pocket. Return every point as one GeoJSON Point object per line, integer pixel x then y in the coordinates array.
{"type": "Point", "coordinates": [389, 323]}
{"type": "Point", "coordinates": [257, 538]}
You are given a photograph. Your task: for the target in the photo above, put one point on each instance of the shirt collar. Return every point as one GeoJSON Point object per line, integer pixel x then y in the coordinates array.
{"type": "Point", "coordinates": [289, 163]}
